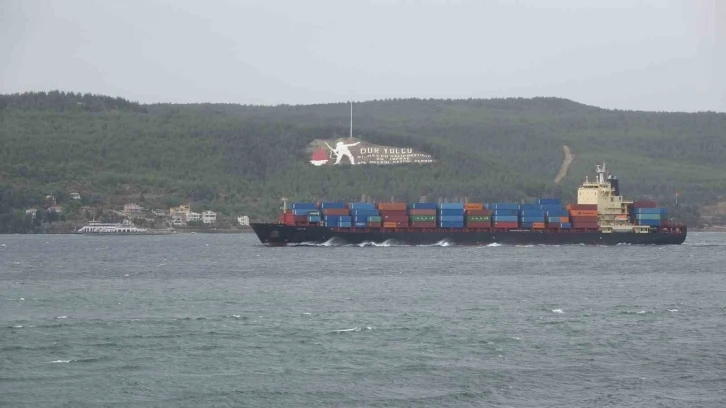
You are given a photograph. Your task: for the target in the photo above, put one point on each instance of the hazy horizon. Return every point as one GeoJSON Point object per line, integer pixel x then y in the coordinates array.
{"type": "Point", "coordinates": [647, 55]}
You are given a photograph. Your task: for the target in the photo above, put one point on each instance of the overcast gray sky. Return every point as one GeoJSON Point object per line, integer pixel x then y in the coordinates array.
{"type": "Point", "coordinates": [647, 55]}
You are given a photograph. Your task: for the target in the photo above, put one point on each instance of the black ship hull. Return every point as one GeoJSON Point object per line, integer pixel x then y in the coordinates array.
{"type": "Point", "coordinates": [281, 234]}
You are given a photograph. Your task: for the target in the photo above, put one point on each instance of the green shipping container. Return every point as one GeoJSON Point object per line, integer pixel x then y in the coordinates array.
{"type": "Point", "coordinates": [374, 218]}
{"type": "Point", "coordinates": [431, 218]}
{"type": "Point", "coordinates": [478, 218]}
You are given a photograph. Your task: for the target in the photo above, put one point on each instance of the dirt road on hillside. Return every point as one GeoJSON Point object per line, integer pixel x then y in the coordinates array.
{"type": "Point", "coordinates": [569, 157]}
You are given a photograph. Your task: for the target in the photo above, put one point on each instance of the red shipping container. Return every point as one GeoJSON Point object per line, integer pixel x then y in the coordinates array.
{"type": "Point", "coordinates": [301, 219]}
{"type": "Point", "coordinates": [583, 219]}
{"type": "Point", "coordinates": [478, 224]}
{"type": "Point", "coordinates": [644, 204]}
{"type": "Point", "coordinates": [374, 224]}
{"type": "Point", "coordinates": [392, 206]}
{"type": "Point", "coordinates": [395, 218]}
{"type": "Point", "coordinates": [394, 213]}
{"type": "Point", "coordinates": [336, 211]}
{"type": "Point", "coordinates": [415, 211]}
{"type": "Point", "coordinates": [478, 212]}
{"type": "Point", "coordinates": [502, 224]}
{"type": "Point", "coordinates": [423, 224]}
{"type": "Point", "coordinates": [287, 219]}
{"type": "Point", "coordinates": [582, 207]}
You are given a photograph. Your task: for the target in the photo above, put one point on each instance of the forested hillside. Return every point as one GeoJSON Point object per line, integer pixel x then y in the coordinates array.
{"type": "Point", "coordinates": [241, 159]}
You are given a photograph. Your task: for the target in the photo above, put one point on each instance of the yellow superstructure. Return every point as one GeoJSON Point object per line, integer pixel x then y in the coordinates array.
{"type": "Point", "coordinates": [612, 209]}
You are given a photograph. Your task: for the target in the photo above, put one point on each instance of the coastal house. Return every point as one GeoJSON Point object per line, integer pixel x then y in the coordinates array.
{"type": "Point", "coordinates": [132, 209]}
{"type": "Point", "coordinates": [159, 213]}
{"type": "Point", "coordinates": [31, 212]}
{"type": "Point", "coordinates": [209, 217]}
{"type": "Point", "coordinates": [244, 221]}
{"type": "Point", "coordinates": [184, 208]}
{"type": "Point", "coordinates": [55, 209]}
{"type": "Point", "coordinates": [193, 216]}
{"type": "Point", "coordinates": [179, 220]}
{"type": "Point", "coordinates": [75, 196]}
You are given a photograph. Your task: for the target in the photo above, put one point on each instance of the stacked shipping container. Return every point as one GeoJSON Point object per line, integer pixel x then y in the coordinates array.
{"type": "Point", "coordinates": [583, 216]}
{"type": "Point", "coordinates": [451, 215]}
{"type": "Point", "coordinates": [646, 213]}
{"type": "Point", "coordinates": [546, 213]}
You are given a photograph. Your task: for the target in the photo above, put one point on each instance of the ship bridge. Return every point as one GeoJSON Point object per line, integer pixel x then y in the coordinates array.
{"type": "Point", "coordinates": [612, 209]}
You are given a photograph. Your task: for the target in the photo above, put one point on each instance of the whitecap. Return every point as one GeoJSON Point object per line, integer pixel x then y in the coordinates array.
{"type": "Point", "coordinates": [354, 329]}
{"type": "Point", "coordinates": [672, 310]}
{"type": "Point", "coordinates": [235, 316]}
{"type": "Point", "coordinates": [59, 361]}
{"type": "Point", "coordinates": [557, 311]}
{"type": "Point", "coordinates": [22, 298]}
{"type": "Point", "coordinates": [62, 317]}
{"type": "Point", "coordinates": [494, 244]}
{"type": "Point", "coordinates": [17, 327]}
{"type": "Point", "coordinates": [642, 312]}
{"type": "Point", "coordinates": [306, 313]}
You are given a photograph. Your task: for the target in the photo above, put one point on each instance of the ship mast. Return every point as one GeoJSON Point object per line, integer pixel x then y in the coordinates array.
{"type": "Point", "coordinates": [600, 170]}
{"type": "Point", "coordinates": [351, 119]}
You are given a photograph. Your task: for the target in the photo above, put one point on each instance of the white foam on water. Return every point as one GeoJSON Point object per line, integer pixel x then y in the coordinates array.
{"type": "Point", "coordinates": [17, 327]}
{"type": "Point", "coordinates": [62, 317]}
{"type": "Point", "coordinates": [642, 312]}
{"type": "Point", "coordinates": [672, 310]}
{"type": "Point", "coordinates": [557, 311]}
{"type": "Point", "coordinates": [235, 316]}
{"type": "Point", "coordinates": [59, 361]}
{"type": "Point", "coordinates": [354, 329]}
{"type": "Point", "coordinates": [22, 298]}
{"type": "Point", "coordinates": [494, 244]}
{"type": "Point", "coordinates": [306, 313]}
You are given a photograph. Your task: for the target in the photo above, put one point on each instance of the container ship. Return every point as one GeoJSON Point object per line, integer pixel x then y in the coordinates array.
{"type": "Point", "coordinates": [600, 217]}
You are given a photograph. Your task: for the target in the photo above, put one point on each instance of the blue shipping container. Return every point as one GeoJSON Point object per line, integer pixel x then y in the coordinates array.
{"type": "Point", "coordinates": [360, 224]}
{"type": "Point", "coordinates": [549, 201]}
{"type": "Point", "coordinates": [551, 207]}
{"type": "Point", "coordinates": [532, 213]}
{"type": "Point", "coordinates": [525, 225]}
{"type": "Point", "coordinates": [451, 206]}
{"type": "Point", "coordinates": [650, 211]}
{"type": "Point", "coordinates": [553, 220]}
{"type": "Point", "coordinates": [451, 224]}
{"type": "Point", "coordinates": [313, 218]}
{"type": "Point", "coordinates": [505, 218]}
{"type": "Point", "coordinates": [345, 224]}
{"type": "Point", "coordinates": [533, 219]}
{"type": "Point", "coordinates": [444, 213]}
{"type": "Point", "coordinates": [652, 223]}
{"type": "Point", "coordinates": [530, 207]}
{"type": "Point", "coordinates": [505, 212]}
{"type": "Point", "coordinates": [423, 206]}
{"type": "Point", "coordinates": [457, 218]}
{"type": "Point", "coordinates": [310, 206]}
{"type": "Point", "coordinates": [362, 206]}
{"type": "Point", "coordinates": [503, 206]}
{"type": "Point", "coordinates": [365, 212]}
{"type": "Point", "coordinates": [565, 225]}
{"type": "Point", "coordinates": [332, 205]}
